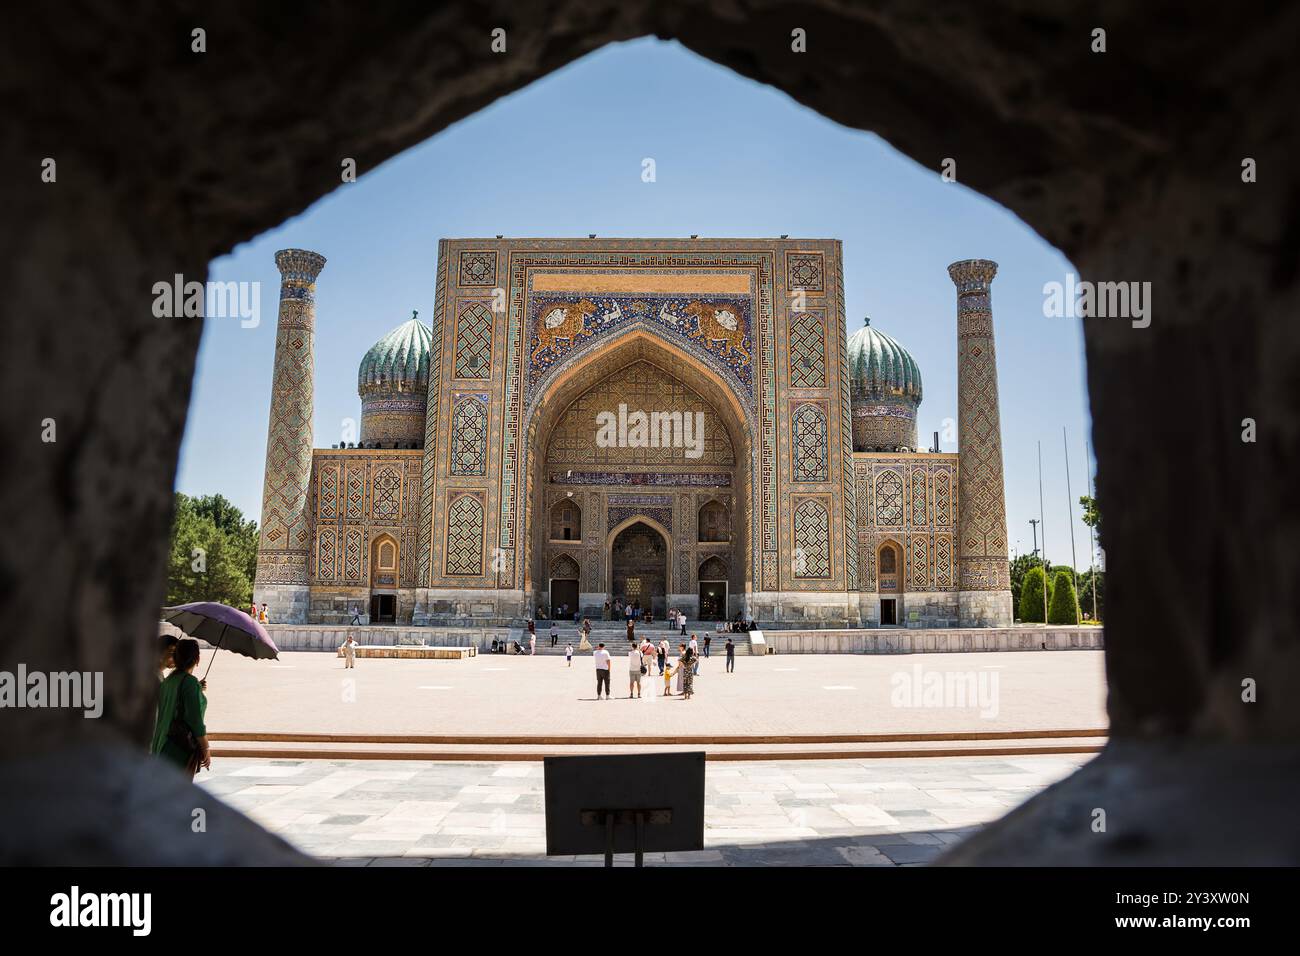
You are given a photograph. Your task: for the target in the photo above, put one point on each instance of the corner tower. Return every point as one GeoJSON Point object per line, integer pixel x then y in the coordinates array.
{"type": "Point", "coordinates": [284, 541]}
{"type": "Point", "coordinates": [984, 575]}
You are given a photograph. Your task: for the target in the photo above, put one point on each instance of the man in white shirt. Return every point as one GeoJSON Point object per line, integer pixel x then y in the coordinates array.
{"type": "Point", "coordinates": [695, 653]}
{"type": "Point", "coordinates": [602, 669]}
{"type": "Point", "coordinates": [633, 671]}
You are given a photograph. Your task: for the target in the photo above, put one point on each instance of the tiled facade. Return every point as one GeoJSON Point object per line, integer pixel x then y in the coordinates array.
{"type": "Point", "coordinates": [523, 492]}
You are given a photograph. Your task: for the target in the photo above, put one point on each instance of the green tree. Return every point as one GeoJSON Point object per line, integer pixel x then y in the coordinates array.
{"type": "Point", "coordinates": [1091, 516]}
{"type": "Point", "coordinates": [1019, 567]}
{"type": "Point", "coordinates": [210, 553]}
{"type": "Point", "coordinates": [240, 534]}
{"type": "Point", "coordinates": [1064, 607]}
{"type": "Point", "coordinates": [1085, 594]}
{"type": "Point", "coordinates": [1031, 596]}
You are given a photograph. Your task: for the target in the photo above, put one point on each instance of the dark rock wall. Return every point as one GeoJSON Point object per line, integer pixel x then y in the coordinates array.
{"type": "Point", "coordinates": [1129, 161]}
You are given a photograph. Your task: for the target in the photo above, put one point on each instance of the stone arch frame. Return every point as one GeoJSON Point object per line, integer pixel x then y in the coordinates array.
{"type": "Point", "coordinates": [548, 406]}
{"type": "Point", "coordinates": [719, 501]}
{"type": "Point", "coordinates": [622, 526]}
{"type": "Point", "coordinates": [377, 543]}
{"type": "Point", "coordinates": [900, 555]}
{"type": "Point", "coordinates": [721, 560]}
{"type": "Point", "coordinates": [1025, 157]}
{"type": "Point", "coordinates": [568, 502]}
{"type": "Point", "coordinates": [554, 566]}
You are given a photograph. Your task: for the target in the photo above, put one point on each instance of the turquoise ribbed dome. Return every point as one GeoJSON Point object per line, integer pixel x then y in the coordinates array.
{"type": "Point", "coordinates": [878, 365]}
{"type": "Point", "coordinates": [399, 361]}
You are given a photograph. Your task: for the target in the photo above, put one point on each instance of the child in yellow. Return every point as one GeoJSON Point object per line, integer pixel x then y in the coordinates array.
{"type": "Point", "coordinates": [668, 679]}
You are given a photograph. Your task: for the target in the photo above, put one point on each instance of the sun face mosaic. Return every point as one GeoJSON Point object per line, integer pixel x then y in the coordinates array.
{"type": "Point", "coordinates": [715, 326]}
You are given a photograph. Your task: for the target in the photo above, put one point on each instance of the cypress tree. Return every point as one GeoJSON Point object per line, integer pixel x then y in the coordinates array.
{"type": "Point", "coordinates": [1065, 605]}
{"type": "Point", "coordinates": [1031, 597]}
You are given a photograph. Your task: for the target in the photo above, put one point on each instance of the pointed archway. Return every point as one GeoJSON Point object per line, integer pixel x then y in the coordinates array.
{"type": "Point", "coordinates": [655, 482]}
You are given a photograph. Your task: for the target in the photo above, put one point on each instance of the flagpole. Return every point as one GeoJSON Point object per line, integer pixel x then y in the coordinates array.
{"type": "Point", "coordinates": [1044, 524]}
{"type": "Point", "coordinates": [1069, 500]}
{"type": "Point", "coordinates": [1092, 545]}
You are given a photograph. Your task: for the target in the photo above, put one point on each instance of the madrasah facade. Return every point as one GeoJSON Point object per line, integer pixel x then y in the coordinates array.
{"type": "Point", "coordinates": [674, 422]}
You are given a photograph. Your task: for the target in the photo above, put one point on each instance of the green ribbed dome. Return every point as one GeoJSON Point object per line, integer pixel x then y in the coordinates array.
{"type": "Point", "coordinates": [878, 365]}
{"type": "Point", "coordinates": [398, 361]}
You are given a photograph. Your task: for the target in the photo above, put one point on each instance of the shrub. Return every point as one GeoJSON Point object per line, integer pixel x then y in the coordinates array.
{"type": "Point", "coordinates": [1064, 608]}
{"type": "Point", "coordinates": [1031, 597]}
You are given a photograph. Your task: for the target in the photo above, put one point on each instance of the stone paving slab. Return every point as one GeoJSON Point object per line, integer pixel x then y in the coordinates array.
{"type": "Point", "coordinates": [308, 692]}
{"type": "Point", "coordinates": [864, 813]}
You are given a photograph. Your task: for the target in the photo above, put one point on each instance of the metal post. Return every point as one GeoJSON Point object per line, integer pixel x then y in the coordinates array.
{"type": "Point", "coordinates": [1042, 521]}
{"type": "Point", "coordinates": [1092, 545]}
{"type": "Point", "coordinates": [1069, 500]}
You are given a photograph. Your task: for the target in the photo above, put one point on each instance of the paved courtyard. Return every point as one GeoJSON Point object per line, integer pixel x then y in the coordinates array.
{"type": "Point", "coordinates": [800, 813]}
{"type": "Point", "coordinates": [310, 692]}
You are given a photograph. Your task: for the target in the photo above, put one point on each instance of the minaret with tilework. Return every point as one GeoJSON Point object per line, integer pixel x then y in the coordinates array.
{"type": "Point", "coordinates": [284, 542]}
{"type": "Point", "coordinates": [984, 575]}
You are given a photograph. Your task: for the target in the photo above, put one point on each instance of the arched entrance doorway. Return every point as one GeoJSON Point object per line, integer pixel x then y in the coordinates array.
{"type": "Point", "coordinates": [588, 486]}
{"type": "Point", "coordinates": [713, 590]}
{"type": "Point", "coordinates": [889, 565]}
{"type": "Point", "coordinates": [383, 580]}
{"type": "Point", "coordinates": [638, 562]}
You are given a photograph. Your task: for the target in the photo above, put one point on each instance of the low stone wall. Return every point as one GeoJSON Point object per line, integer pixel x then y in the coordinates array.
{"type": "Point", "coordinates": [329, 637]}
{"type": "Point", "coordinates": [934, 641]}
{"type": "Point", "coordinates": [415, 652]}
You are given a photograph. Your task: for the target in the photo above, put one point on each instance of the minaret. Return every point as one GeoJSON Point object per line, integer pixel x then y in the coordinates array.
{"type": "Point", "coordinates": [984, 576]}
{"type": "Point", "coordinates": [284, 542]}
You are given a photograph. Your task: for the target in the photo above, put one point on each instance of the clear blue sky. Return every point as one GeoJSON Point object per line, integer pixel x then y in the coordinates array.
{"type": "Point", "coordinates": [563, 158]}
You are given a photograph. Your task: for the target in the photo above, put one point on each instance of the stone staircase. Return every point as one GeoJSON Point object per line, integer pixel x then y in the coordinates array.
{"type": "Point", "coordinates": [614, 634]}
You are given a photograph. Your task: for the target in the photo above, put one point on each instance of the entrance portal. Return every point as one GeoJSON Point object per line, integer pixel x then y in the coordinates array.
{"type": "Point", "coordinates": [564, 597]}
{"type": "Point", "coordinates": [383, 609]}
{"type": "Point", "coordinates": [888, 611]}
{"type": "Point", "coordinates": [639, 562]}
{"type": "Point", "coordinates": [713, 600]}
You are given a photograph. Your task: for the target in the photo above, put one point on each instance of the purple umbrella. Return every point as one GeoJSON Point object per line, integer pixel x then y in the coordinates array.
{"type": "Point", "coordinates": [223, 626]}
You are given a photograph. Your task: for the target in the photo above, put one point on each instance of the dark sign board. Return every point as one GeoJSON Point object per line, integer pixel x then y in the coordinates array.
{"type": "Point", "coordinates": [624, 803]}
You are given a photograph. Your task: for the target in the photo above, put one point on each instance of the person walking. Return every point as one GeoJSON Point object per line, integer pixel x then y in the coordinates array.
{"type": "Point", "coordinates": [663, 655]}
{"type": "Point", "coordinates": [695, 655]}
{"type": "Point", "coordinates": [179, 734]}
{"type": "Point", "coordinates": [349, 650]}
{"type": "Point", "coordinates": [602, 669]}
{"type": "Point", "coordinates": [634, 669]}
{"type": "Point", "coordinates": [631, 631]}
{"type": "Point", "coordinates": [568, 654]}
{"type": "Point", "coordinates": [681, 619]}
{"type": "Point", "coordinates": [731, 656]}
{"type": "Point", "coordinates": [264, 618]}
{"type": "Point", "coordinates": [647, 655]}
{"type": "Point", "coordinates": [707, 639]}
{"type": "Point", "coordinates": [532, 643]}
{"type": "Point", "coordinates": [555, 634]}
{"type": "Point", "coordinates": [605, 614]}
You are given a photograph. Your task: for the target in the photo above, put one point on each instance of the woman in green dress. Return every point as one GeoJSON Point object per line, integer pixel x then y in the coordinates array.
{"type": "Point", "coordinates": [179, 734]}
